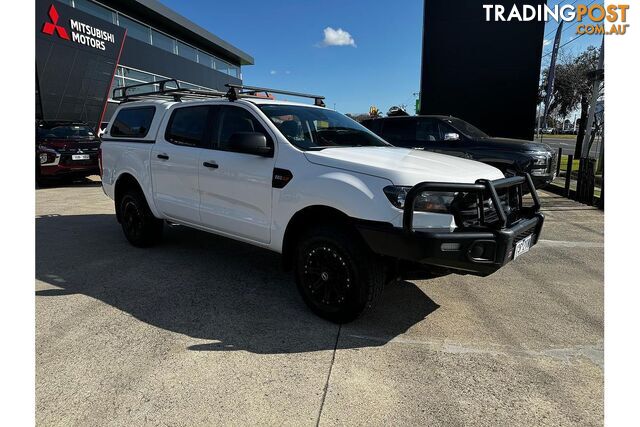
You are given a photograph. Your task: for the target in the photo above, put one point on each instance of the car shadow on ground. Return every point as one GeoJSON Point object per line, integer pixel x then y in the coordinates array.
{"type": "Point", "coordinates": [231, 295]}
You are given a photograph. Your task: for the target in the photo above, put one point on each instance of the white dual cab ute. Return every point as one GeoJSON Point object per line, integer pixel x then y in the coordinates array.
{"type": "Point", "coordinates": [347, 211]}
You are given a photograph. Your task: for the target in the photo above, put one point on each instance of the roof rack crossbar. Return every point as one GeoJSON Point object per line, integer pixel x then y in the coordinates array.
{"type": "Point", "coordinates": [170, 89]}
{"type": "Point", "coordinates": [252, 90]}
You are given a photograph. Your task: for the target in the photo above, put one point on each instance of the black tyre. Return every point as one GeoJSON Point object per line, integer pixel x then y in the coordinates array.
{"type": "Point", "coordinates": [140, 227]}
{"type": "Point", "coordinates": [337, 275]}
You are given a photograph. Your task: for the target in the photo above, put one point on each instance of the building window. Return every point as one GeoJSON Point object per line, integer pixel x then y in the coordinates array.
{"type": "Point", "coordinates": [233, 71]}
{"type": "Point", "coordinates": [151, 36]}
{"type": "Point", "coordinates": [187, 51]}
{"type": "Point", "coordinates": [205, 59]}
{"type": "Point", "coordinates": [163, 41]}
{"type": "Point", "coordinates": [95, 10]}
{"type": "Point", "coordinates": [221, 66]}
{"type": "Point", "coordinates": [139, 76]}
{"type": "Point", "coordinates": [185, 85]}
{"type": "Point", "coordinates": [126, 76]}
{"type": "Point", "coordinates": [135, 29]}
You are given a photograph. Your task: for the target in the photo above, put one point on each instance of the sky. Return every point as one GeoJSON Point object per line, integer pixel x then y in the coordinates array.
{"type": "Point", "coordinates": [380, 67]}
{"type": "Point", "coordinates": [573, 44]}
{"type": "Point", "coordinates": [356, 53]}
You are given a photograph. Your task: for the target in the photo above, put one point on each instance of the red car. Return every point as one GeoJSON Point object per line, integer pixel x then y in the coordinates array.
{"type": "Point", "coordinates": [66, 149]}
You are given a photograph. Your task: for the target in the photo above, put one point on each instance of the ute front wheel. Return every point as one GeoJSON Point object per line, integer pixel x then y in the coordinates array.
{"type": "Point", "coordinates": [337, 276]}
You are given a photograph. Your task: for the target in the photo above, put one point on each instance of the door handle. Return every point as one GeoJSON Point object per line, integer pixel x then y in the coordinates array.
{"type": "Point", "coordinates": [212, 165]}
{"type": "Point", "coordinates": [163, 156]}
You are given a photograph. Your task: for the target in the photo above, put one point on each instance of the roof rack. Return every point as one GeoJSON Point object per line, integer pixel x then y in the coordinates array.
{"type": "Point", "coordinates": [170, 89]}
{"type": "Point", "coordinates": [161, 89]}
{"type": "Point", "coordinates": [238, 91]}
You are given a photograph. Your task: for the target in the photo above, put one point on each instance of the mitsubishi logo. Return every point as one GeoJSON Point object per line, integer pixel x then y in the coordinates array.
{"type": "Point", "coordinates": [50, 27]}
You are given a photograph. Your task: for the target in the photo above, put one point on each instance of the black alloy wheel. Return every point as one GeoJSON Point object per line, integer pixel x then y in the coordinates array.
{"type": "Point", "coordinates": [336, 273]}
{"type": "Point", "coordinates": [139, 225]}
{"type": "Point", "coordinates": [326, 277]}
{"type": "Point", "coordinates": [132, 222]}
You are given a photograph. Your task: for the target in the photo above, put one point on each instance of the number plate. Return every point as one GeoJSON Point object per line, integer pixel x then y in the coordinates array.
{"type": "Point", "coordinates": [80, 157]}
{"type": "Point", "coordinates": [523, 246]}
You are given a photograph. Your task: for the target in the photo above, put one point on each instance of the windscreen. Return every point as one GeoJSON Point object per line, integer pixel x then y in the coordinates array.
{"type": "Point", "coordinates": [466, 128]}
{"type": "Point", "coordinates": [66, 132]}
{"type": "Point", "coordinates": [310, 128]}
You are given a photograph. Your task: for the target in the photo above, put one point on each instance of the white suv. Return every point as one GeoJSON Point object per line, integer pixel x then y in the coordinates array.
{"type": "Point", "coordinates": [347, 211]}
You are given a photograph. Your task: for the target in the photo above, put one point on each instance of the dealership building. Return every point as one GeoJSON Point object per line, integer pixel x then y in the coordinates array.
{"type": "Point", "coordinates": [85, 49]}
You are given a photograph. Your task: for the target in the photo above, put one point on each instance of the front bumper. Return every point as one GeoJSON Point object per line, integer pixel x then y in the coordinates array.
{"type": "Point", "coordinates": [479, 250]}
{"type": "Point", "coordinates": [541, 181]}
{"type": "Point", "coordinates": [65, 165]}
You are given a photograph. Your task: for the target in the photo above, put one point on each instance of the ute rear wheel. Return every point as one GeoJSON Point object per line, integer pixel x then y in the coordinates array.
{"type": "Point", "coordinates": [337, 275]}
{"type": "Point", "coordinates": [139, 225]}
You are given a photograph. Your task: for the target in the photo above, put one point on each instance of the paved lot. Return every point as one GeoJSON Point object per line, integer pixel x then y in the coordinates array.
{"type": "Point", "coordinates": [203, 330]}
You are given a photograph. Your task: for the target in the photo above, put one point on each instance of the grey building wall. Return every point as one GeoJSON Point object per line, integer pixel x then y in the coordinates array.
{"type": "Point", "coordinates": [142, 56]}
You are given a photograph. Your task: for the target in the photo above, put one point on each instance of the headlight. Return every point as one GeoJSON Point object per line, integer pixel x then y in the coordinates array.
{"type": "Point", "coordinates": [540, 163]}
{"type": "Point", "coordinates": [427, 201]}
{"type": "Point", "coordinates": [47, 156]}
{"type": "Point", "coordinates": [540, 159]}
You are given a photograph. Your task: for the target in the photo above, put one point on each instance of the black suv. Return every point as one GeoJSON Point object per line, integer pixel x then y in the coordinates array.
{"type": "Point", "coordinates": [453, 136]}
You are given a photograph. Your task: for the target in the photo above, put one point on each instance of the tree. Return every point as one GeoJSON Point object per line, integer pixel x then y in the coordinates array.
{"type": "Point", "coordinates": [572, 86]}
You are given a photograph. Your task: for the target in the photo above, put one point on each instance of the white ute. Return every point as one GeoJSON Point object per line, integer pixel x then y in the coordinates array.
{"type": "Point", "coordinates": [347, 211]}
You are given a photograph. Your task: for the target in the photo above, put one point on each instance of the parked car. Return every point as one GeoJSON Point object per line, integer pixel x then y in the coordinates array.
{"type": "Point", "coordinates": [347, 211]}
{"type": "Point", "coordinates": [453, 136]}
{"type": "Point", "coordinates": [66, 149]}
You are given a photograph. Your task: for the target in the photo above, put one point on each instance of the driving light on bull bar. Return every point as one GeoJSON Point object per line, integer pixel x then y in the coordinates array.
{"type": "Point", "coordinates": [427, 201]}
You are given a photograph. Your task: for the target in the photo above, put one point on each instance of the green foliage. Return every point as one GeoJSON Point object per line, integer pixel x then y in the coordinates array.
{"type": "Point", "coordinates": [571, 86]}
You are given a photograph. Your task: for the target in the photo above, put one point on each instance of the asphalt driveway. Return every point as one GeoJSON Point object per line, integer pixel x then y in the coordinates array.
{"type": "Point", "coordinates": [203, 330]}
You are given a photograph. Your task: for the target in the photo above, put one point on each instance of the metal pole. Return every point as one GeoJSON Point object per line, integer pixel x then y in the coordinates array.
{"type": "Point", "coordinates": [601, 204]}
{"type": "Point", "coordinates": [552, 72]}
{"type": "Point", "coordinates": [580, 182]}
{"type": "Point", "coordinates": [558, 161]}
{"type": "Point", "coordinates": [567, 179]}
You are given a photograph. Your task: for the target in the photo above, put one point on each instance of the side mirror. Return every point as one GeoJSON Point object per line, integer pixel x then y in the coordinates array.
{"type": "Point", "coordinates": [250, 143]}
{"type": "Point", "coordinates": [452, 136]}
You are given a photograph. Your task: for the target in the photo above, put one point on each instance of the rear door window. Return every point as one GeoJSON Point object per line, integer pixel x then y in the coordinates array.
{"type": "Point", "coordinates": [187, 126]}
{"type": "Point", "coordinates": [133, 122]}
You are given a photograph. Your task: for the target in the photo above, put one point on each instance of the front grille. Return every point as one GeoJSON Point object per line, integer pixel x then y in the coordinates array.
{"type": "Point", "coordinates": [71, 151]}
{"type": "Point", "coordinates": [468, 214]}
